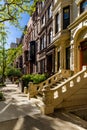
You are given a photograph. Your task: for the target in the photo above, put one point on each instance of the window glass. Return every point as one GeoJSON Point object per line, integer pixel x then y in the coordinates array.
{"type": "Point", "coordinates": [83, 6]}
{"type": "Point", "coordinates": [50, 36]}
{"type": "Point", "coordinates": [43, 20]}
{"type": "Point", "coordinates": [49, 11]}
{"type": "Point", "coordinates": [42, 66]}
{"type": "Point", "coordinates": [66, 17]}
{"type": "Point", "coordinates": [43, 42]}
{"type": "Point", "coordinates": [56, 23]}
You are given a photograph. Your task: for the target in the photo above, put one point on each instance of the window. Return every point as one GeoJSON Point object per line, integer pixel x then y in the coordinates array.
{"type": "Point", "coordinates": [49, 11]}
{"type": "Point", "coordinates": [26, 55]}
{"type": "Point", "coordinates": [83, 6]}
{"type": "Point", "coordinates": [43, 42]}
{"type": "Point", "coordinates": [66, 17]}
{"type": "Point", "coordinates": [56, 23]}
{"type": "Point", "coordinates": [42, 66]}
{"type": "Point", "coordinates": [43, 20]}
{"type": "Point", "coordinates": [42, 4]}
{"type": "Point", "coordinates": [32, 51]}
{"type": "Point", "coordinates": [50, 35]}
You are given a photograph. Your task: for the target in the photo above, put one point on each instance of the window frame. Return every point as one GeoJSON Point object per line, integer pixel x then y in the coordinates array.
{"type": "Point", "coordinates": [83, 9]}
{"type": "Point", "coordinates": [42, 66]}
{"type": "Point", "coordinates": [57, 23]}
{"type": "Point", "coordinates": [43, 42]}
{"type": "Point", "coordinates": [50, 35]}
{"type": "Point", "coordinates": [66, 21]}
{"type": "Point", "coordinates": [50, 11]}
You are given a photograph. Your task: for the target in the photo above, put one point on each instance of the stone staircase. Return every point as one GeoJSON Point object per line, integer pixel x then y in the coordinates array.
{"type": "Point", "coordinates": [61, 91]}
{"type": "Point", "coordinates": [53, 81]}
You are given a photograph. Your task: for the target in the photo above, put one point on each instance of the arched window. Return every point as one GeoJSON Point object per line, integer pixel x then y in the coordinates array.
{"type": "Point", "coordinates": [50, 35]}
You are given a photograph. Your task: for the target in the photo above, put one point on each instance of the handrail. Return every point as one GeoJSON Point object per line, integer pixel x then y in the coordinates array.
{"type": "Point", "coordinates": [36, 88]}
{"type": "Point", "coordinates": [54, 96]}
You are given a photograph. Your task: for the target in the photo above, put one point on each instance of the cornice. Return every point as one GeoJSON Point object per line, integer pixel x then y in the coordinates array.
{"type": "Point", "coordinates": [78, 1]}
{"type": "Point", "coordinates": [78, 20]}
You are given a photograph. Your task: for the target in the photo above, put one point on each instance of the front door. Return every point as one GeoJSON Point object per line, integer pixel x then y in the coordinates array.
{"type": "Point", "coordinates": [68, 58]}
{"type": "Point", "coordinates": [58, 63]}
{"type": "Point", "coordinates": [49, 64]}
{"type": "Point", "coordinates": [83, 53]}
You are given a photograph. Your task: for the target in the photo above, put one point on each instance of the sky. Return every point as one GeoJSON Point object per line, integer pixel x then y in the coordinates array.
{"type": "Point", "coordinates": [15, 32]}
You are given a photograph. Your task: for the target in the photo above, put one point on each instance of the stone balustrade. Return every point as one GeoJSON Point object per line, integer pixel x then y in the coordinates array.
{"type": "Point", "coordinates": [52, 97]}
{"type": "Point", "coordinates": [34, 89]}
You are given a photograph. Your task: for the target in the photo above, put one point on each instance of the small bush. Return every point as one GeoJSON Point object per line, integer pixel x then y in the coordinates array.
{"type": "Point", "coordinates": [17, 81]}
{"type": "Point", "coordinates": [13, 72]}
{"type": "Point", "coordinates": [26, 79]}
{"type": "Point", "coordinates": [35, 78]}
{"type": "Point", "coordinates": [2, 84]}
{"type": "Point", "coordinates": [38, 78]}
{"type": "Point", "coordinates": [1, 96]}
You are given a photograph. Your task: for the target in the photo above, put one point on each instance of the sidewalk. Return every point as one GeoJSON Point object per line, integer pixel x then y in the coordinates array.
{"type": "Point", "coordinates": [16, 104]}
{"type": "Point", "coordinates": [19, 113]}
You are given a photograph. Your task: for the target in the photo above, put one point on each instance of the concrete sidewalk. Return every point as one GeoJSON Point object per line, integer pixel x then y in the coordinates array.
{"type": "Point", "coordinates": [16, 104]}
{"type": "Point", "coordinates": [19, 113]}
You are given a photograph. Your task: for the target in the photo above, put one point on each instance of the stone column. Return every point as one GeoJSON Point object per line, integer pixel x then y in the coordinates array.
{"type": "Point", "coordinates": [48, 99]}
{"type": "Point", "coordinates": [56, 59]}
{"type": "Point", "coordinates": [31, 90]}
{"type": "Point", "coordinates": [75, 58]}
{"type": "Point", "coordinates": [72, 57]}
{"type": "Point", "coordinates": [62, 55]}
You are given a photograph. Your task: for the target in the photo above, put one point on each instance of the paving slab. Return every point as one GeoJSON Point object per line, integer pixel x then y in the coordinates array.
{"type": "Point", "coordinates": [17, 112]}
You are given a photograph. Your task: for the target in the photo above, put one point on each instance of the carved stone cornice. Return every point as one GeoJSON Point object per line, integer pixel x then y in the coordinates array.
{"type": "Point", "coordinates": [80, 19]}
{"type": "Point", "coordinates": [78, 1]}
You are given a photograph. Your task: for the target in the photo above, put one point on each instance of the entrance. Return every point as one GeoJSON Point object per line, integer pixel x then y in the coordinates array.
{"type": "Point", "coordinates": [58, 63]}
{"type": "Point", "coordinates": [68, 58]}
{"type": "Point", "coordinates": [83, 53]}
{"type": "Point", "coordinates": [49, 64]}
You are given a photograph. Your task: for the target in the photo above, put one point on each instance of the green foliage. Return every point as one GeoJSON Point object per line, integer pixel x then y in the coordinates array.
{"type": "Point", "coordinates": [38, 78]}
{"type": "Point", "coordinates": [2, 85]}
{"type": "Point", "coordinates": [1, 96]}
{"type": "Point", "coordinates": [12, 54]}
{"type": "Point", "coordinates": [35, 78]}
{"type": "Point", "coordinates": [17, 81]}
{"type": "Point", "coordinates": [13, 72]}
{"type": "Point", "coordinates": [10, 10]}
{"type": "Point", "coordinates": [3, 36]}
{"type": "Point", "coordinates": [26, 79]}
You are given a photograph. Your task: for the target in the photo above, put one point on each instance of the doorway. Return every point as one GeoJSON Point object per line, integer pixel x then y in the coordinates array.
{"type": "Point", "coordinates": [83, 54]}
{"type": "Point", "coordinates": [49, 64]}
{"type": "Point", "coordinates": [58, 61]}
{"type": "Point", "coordinates": [68, 58]}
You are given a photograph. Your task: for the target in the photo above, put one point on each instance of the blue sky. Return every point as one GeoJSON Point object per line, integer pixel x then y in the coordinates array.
{"type": "Point", "coordinates": [15, 32]}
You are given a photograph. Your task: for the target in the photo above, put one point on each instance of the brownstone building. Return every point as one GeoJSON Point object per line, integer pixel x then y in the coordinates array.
{"type": "Point", "coordinates": [38, 45]}
{"type": "Point", "coordinates": [56, 37]}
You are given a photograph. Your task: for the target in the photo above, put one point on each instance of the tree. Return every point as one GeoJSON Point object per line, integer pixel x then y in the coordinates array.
{"type": "Point", "coordinates": [10, 10]}
{"type": "Point", "coordinates": [13, 73]}
{"type": "Point", "coordinates": [3, 36]}
{"type": "Point", "coordinates": [12, 54]}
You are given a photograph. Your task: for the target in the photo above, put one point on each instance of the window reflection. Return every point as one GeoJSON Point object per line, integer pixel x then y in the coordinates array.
{"type": "Point", "coordinates": [83, 6]}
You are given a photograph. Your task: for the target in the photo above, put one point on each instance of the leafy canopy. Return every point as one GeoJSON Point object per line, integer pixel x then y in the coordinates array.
{"type": "Point", "coordinates": [10, 10]}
